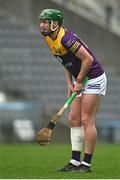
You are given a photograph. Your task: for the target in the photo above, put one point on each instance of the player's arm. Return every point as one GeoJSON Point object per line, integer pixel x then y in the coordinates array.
{"type": "Point", "coordinates": [68, 76]}
{"type": "Point", "coordinates": [87, 60]}
{"type": "Point", "coordinates": [71, 43]}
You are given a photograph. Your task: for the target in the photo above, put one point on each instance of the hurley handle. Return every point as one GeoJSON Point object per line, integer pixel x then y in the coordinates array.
{"type": "Point", "coordinates": [57, 116]}
{"type": "Point", "coordinates": [72, 97]}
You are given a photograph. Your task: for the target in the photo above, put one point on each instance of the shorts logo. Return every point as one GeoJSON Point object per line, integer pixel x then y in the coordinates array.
{"type": "Point", "coordinates": [94, 86]}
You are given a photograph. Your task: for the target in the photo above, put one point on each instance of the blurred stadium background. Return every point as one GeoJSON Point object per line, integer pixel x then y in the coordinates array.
{"type": "Point", "coordinates": [32, 84]}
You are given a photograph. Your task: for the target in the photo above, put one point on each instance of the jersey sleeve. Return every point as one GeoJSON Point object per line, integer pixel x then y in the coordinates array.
{"type": "Point", "coordinates": [71, 42]}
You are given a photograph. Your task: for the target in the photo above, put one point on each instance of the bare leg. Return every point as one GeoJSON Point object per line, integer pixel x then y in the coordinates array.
{"type": "Point", "coordinates": [75, 113]}
{"type": "Point", "coordinates": [89, 108]}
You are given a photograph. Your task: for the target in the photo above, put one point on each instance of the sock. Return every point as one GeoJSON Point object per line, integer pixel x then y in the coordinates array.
{"type": "Point", "coordinates": [77, 135]}
{"type": "Point", "coordinates": [76, 155]}
{"type": "Point", "coordinates": [87, 158]}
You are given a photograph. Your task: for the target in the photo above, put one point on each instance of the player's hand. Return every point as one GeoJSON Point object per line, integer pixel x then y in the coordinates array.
{"type": "Point", "coordinates": [70, 89]}
{"type": "Point", "coordinates": [78, 87]}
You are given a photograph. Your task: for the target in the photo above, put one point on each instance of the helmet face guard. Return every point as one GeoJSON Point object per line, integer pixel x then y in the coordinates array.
{"type": "Point", "coordinates": [51, 15]}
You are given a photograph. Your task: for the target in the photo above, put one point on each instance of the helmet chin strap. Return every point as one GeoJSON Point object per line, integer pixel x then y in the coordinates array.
{"type": "Point", "coordinates": [54, 29]}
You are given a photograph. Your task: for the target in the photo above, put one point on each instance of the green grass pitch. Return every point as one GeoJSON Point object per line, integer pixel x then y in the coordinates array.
{"type": "Point", "coordinates": [31, 161]}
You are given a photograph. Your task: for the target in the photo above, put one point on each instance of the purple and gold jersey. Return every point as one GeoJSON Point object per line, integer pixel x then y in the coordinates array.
{"type": "Point", "coordinates": [64, 48]}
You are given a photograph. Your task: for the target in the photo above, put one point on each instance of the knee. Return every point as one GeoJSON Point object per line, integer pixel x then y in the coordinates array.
{"type": "Point", "coordinates": [86, 120]}
{"type": "Point", "coordinates": [74, 121]}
